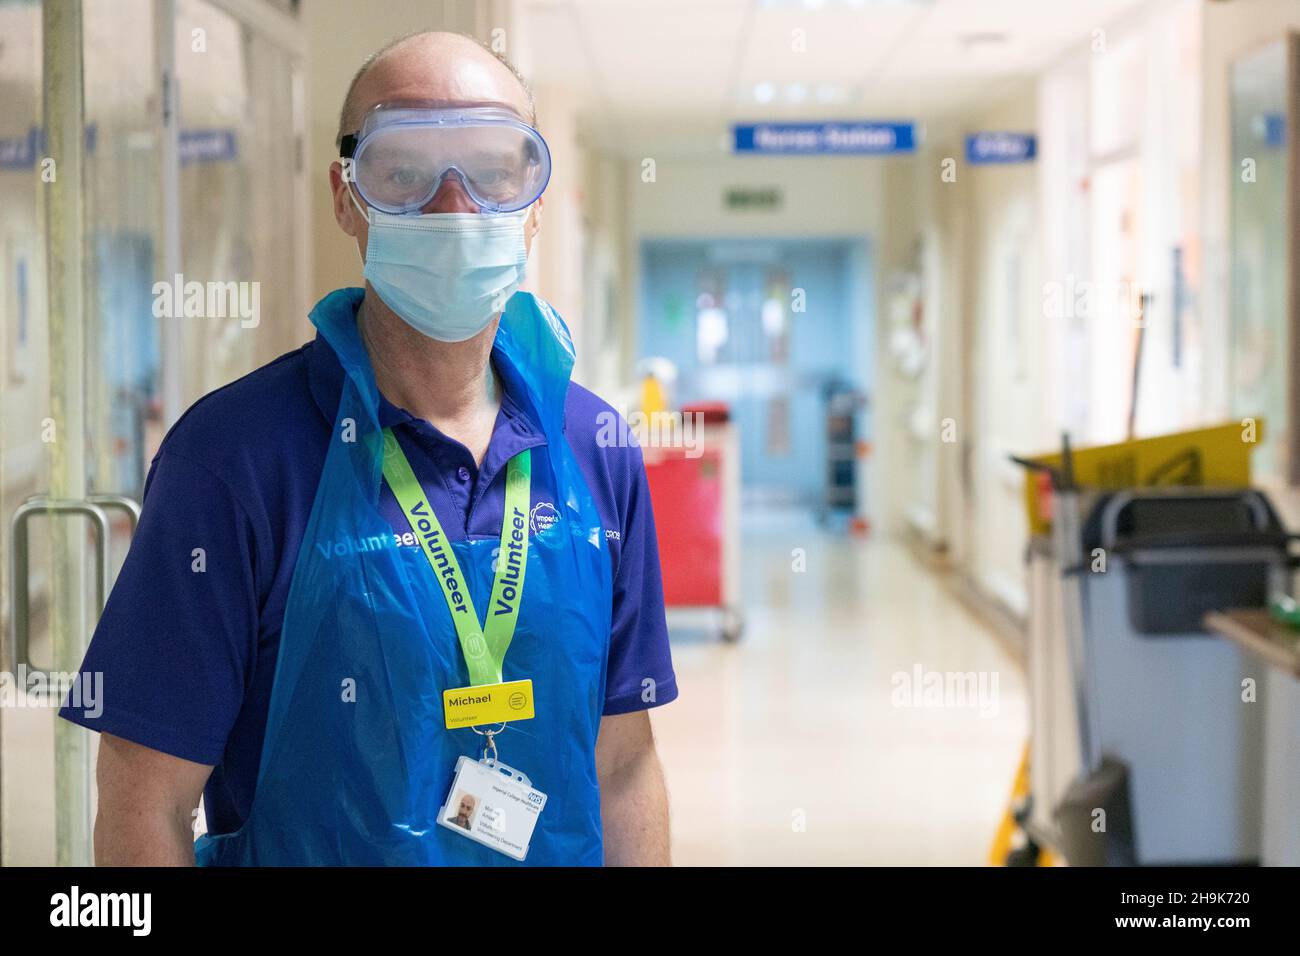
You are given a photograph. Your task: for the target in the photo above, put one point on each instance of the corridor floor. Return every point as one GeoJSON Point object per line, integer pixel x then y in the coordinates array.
{"type": "Point", "coordinates": [810, 742]}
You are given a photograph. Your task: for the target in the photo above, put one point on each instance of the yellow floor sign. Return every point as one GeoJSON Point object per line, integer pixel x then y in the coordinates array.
{"type": "Point", "coordinates": [1213, 457]}
{"type": "Point", "coordinates": [1007, 828]}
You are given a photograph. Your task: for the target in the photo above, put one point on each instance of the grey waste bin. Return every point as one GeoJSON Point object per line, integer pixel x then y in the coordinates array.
{"type": "Point", "coordinates": [1169, 696]}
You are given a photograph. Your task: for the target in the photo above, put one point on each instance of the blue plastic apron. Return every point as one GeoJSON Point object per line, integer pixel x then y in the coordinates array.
{"type": "Point", "coordinates": [357, 761]}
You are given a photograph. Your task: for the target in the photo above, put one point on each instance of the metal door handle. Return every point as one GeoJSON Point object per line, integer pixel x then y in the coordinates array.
{"type": "Point", "coordinates": [129, 506]}
{"type": "Point", "coordinates": [19, 577]}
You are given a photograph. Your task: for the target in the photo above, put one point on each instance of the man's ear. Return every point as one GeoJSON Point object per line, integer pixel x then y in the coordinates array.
{"type": "Point", "coordinates": [345, 212]}
{"type": "Point", "coordinates": [534, 223]}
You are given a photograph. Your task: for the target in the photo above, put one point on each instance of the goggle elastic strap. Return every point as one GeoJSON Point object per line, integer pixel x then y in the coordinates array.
{"type": "Point", "coordinates": [361, 209]}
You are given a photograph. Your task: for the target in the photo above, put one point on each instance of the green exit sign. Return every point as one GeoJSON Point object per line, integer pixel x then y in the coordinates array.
{"type": "Point", "coordinates": [764, 198]}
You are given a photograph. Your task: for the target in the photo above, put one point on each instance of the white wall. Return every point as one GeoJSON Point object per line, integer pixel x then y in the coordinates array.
{"type": "Point", "coordinates": [970, 237]}
{"type": "Point", "coordinates": [1004, 360]}
{"type": "Point", "coordinates": [1232, 30]}
{"type": "Point", "coordinates": [1007, 372]}
{"type": "Point", "coordinates": [1178, 89]}
{"type": "Point", "coordinates": [556, 265]}
{"type": "Point", "coordinates": [605, 350]}
{"type": "Point", "coordinates": [1044, 226]}
{"type": "Point", "coordinates": [1119, 192]}
{"type": "Point", "coordinates": [921, 257]}
{"type": "Point", "coordinates": [831, 196]}
{"type": "Point", "coordinates": [1183, 148]}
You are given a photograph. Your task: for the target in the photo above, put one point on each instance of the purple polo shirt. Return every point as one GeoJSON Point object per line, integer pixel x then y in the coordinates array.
{"type": "Point", "coordinates": [188, 659]}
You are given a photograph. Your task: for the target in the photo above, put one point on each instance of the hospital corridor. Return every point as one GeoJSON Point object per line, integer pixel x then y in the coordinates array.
{"type": "Point", "coordinates": [868, 782]}
{"type": "Point", "coordinates": [678, 435]}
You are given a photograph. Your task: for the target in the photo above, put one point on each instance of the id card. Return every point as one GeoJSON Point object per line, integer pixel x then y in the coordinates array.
{"type": "Point", "coordinates": [488, 704]}
{"type": "Point", "coordinates": [494, 805]}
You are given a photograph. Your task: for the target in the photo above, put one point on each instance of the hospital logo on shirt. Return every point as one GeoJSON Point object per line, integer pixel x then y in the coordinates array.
{"type": "Point", "coordinates": [543, 516]}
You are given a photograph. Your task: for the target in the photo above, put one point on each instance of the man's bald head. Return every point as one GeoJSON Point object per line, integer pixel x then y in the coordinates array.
{"type": "Point", "coordinates": [437, 66]}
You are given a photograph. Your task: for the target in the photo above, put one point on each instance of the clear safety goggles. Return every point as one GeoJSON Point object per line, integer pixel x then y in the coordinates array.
{"type": "Point", "coordinates": [401, 155]}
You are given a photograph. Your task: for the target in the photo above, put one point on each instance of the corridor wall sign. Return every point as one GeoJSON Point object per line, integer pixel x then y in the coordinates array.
{"type": "Point", "coordinates": [196, 146]}
{"type": "Point", "coordinates": [22, 152]}
{"type": "Point", "coordinates": [856, 138]}
{"type": "Point", "coordinates": [753, 199]}
{"type": "Point", "coordinates": [986, 149]}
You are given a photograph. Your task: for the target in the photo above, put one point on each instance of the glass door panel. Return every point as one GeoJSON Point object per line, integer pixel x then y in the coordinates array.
{"type": "Point", "coordinates": [83, 364]}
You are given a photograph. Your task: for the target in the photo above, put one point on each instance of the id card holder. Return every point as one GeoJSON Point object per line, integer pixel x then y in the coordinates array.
{"type": "Point", "coordinates": [492, 804]}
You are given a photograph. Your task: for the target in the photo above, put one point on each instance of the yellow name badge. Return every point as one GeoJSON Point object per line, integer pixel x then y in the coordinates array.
{"type": "Point", "coordinates": [488, 704]}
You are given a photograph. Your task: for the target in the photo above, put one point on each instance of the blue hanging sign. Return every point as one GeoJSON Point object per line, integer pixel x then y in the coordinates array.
{"type": "Point", "coordinates": [997, 147]}
{"type": "Point", "coordinates": [1273, 129]}
{"type": "Point", "coordinates": [857, 138]}
{"type": "Point", "coordinates": [196, 146]}
{"type": "Point", "coordinates": [19, 152]}
{"type": "Point", "coordinates": [207, 146]}
{"type": "Point", "coordinates": [22, 152]}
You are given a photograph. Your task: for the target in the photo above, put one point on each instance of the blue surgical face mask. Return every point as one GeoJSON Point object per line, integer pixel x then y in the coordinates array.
{"type": "Point", "coordinates": [445, 274]}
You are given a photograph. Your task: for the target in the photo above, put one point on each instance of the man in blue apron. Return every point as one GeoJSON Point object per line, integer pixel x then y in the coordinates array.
{"type": "Point", "coordinates": [392, 600]}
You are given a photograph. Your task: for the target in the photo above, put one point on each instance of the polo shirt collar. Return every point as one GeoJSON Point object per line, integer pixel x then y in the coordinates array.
{"type": "Point", "coordinates": [515, 428]}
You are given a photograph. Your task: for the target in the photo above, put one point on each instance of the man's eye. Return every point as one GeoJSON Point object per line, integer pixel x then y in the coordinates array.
{"type": "Point", "coordinates": [405, 176]}
{"type": "Point", "coordinates": [498, 176]}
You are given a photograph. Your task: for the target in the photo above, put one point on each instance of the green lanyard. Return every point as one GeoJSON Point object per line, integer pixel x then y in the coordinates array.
{"type": "Point", "coordinates": [484, 646]}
